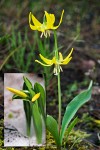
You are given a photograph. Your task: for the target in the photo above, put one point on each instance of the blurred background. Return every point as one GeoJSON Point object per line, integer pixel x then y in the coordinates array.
{"type": "Point", "coordinates": [80, 29]}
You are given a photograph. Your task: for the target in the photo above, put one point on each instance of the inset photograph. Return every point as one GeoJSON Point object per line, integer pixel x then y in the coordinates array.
{"type": "Point", "coordinates": [24, 110]}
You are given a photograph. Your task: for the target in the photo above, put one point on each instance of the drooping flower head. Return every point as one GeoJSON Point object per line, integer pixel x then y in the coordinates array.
{"type": "Point", "coordinates": [46, 26]}
{"type": "Point", "coordinates": [54, 61]}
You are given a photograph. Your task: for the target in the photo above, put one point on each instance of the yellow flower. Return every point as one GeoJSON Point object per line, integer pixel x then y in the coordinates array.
{"type": "Point", "coordinates": [48, 23]}
{"type": "Point", "coordinates": [54, 61]}
{"type": "Point", "coordinates": [17, 92]}
{"type": "Point", "coordinates": [35, 97]}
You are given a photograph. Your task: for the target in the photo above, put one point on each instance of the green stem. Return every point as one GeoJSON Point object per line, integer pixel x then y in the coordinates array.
{"type": "Point", "coordinates": [59, 98]}
{"type": "Point", "coordinates": [56, 47]}
{"type": "Point", "coordinates": [59, 85]}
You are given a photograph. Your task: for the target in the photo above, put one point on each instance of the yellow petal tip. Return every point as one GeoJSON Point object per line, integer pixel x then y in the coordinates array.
{"type": "Point", "coordinates": [63, 11]}
{"type": "Point", "coordinates": [35, 97]}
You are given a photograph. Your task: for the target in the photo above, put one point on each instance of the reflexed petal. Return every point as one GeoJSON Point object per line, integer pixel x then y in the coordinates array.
{"type": "Point", "coordinates": [68, 55]}
{"type": "Point", "coordinates": [50, 19]}
{"type": "Point", "coordinates": [35, 97]}
{"type": "Point", "coordinates": [60, 57]}
{"type": "Point", "coordinates": [66, 62]}
{"type": "Point", "coordinates": [33, 27]}
{"type": "Point", "coordinates": [47, 61]}
{"type": "Point", "coordinates": [59, 22]}
{"type": "Point", "coordinates": [17, 92]}
{"type": "Point", "coordinates": [41, 63]}
{"type": "Point", "coordinates": [35, 21]}
{"type": "Point", "coordinates": [29, 17]}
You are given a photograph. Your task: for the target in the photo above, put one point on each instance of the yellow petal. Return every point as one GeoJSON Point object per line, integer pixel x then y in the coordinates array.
{"type": "Point", "coordinates": [50, 18]}
{"type": "Point", "coordinates": [60, 57]}
{"type": "Point", "coordinates": [17, 92]}
{"type": "Point", "coordinates": [35, 97]}
{"type": "Point", "coordinates": [41, 63]}
{"type": "Point", "coordinates": [30, 17]}
{"type": "Point", "coordinates": [66, 62]}
{"type": "Point", "coordinates": [68, 55]}
{"type": "Point", "coordinates": [47, 61]}
{"type": "Point", "coordinates": [59, 21]}
{"type": "Point", "coordinates": [35, 21]}
{"type": "Point", "coordinates": [33, 27]}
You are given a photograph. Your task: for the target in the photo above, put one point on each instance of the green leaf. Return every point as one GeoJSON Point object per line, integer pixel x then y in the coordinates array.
{"type": "Point", "coordinates": [28, 86]}
{"type": "Point", "coordinates": [41, 101]}
{"type": "Point", "coordinates": [27, 107]}
{"type": "Point", "coordinates": [4, 38]}
{"type": "Point", "coordinates": [52, 127]}
{"type": "Point", "coordinates": [71, 126]}
{"type": "Point", "coordinates": [37, 121]}
{"type": "Point", "coordinates": [16, 97]}
{"type": "Point", "coordinates": [27, 82]}
{"type": "Point", "coordinates": [27, 110]}
{"type": "Point", "coordinates": [73, 107]}
{"type": "Point", "coordinates": [19, 98]}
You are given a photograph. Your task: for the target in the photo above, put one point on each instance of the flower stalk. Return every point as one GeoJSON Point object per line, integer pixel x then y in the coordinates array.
{"type": "Point", "coordinates": [59, 85]}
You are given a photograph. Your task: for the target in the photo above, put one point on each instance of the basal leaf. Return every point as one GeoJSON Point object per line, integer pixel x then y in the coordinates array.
{"type": "Point", "coordinates": [71, 126]}
{"type": "Point", "coordinates": [37, 121]}
{"type": "Point", "coordinates": [27, 109]}
{"type": "Point", "coordinates": [73, 107]}
{"type": "Point", "coordinates": [42, 99]}
{"type": "Point", "coordinates": [52, 127]}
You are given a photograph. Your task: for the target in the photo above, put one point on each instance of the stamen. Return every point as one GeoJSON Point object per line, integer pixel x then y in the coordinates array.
{"type": "Point", "coordinates": [45, 34]}
{"type": "Point", "coordinates": [61, 69]}
{"type": "Point", "coordinates": [41, 34]}
{"type": "Point", "coordinates": [55, 71]}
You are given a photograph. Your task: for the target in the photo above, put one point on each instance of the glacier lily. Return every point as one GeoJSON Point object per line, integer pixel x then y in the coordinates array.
{"type": "Point", "coordinates": [54, 61]}
{"type": "Point", "coordinates": [47, 25]}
